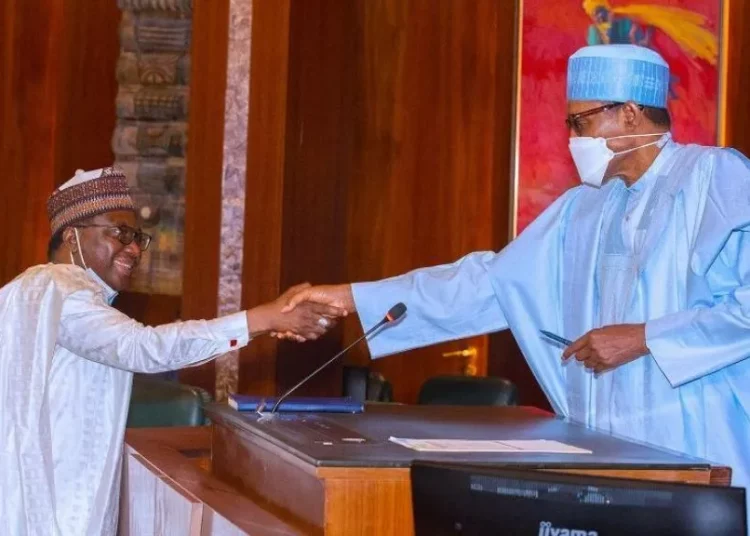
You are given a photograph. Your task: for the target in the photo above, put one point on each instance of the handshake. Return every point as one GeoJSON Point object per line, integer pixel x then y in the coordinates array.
{"type": "Point", "coordinates": [302, 313]}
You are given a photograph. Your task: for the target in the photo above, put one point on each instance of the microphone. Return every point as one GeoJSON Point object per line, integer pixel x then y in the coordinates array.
{"type": "Point", "coordinates": [393, 314]}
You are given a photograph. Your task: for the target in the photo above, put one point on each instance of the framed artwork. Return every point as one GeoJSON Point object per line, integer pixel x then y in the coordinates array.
{"type": "Point", "coordinates": [687, 33]}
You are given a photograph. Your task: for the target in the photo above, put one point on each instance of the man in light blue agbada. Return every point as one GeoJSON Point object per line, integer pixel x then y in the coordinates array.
{"type": "Point", "coordinates": [646, 266]}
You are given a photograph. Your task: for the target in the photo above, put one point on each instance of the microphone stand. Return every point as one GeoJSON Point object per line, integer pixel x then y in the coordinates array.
{"type": "Point", "coordinates": [324, 365]}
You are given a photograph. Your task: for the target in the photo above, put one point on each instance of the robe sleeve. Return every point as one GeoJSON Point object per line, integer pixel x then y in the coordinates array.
{"type": "Point", "coordinates": [518, 288]}
{"type": "Point", "coordinates": [96, 331]}
{"type": "Point", "coordinates": [710, 336]}
{"type": "Point", "coordinates": [480, 293]}
{"type": "Point", "coordinates": [444, 303]}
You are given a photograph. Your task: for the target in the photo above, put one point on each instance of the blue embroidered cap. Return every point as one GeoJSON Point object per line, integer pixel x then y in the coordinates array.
{"type": "Point", "coordinates": [618, 73]}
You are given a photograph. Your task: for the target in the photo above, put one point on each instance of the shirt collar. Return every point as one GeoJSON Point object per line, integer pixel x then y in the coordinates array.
{"type": "Point", "coordinates": [655, 168]}
{"type": "Point", "coordinates": [109, 293]}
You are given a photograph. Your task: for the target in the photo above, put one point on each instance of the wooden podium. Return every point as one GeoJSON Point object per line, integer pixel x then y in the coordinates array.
{"type": "Point", "coordinates": [338, 474]}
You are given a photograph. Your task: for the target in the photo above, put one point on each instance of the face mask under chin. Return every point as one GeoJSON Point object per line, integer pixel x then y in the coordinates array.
{"type": "Point", "coordinates": [109, 291]}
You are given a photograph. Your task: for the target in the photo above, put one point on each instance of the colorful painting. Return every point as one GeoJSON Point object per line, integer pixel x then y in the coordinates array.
{"type": "Point", "coordinates": [685, 32]}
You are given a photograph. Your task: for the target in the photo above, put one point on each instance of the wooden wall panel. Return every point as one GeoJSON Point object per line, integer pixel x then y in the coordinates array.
{"type": "Point", "coordinates": [200, 270]}
{"type": "Point", "coordinates": [428, 159]}
{"type": "Point", "coordinates": [323, 53]}
{"type": "Point", "coordinates": [87, 86]}
{"type": "Point", "coordinates": [29, 80]}
{"type": "Point", "coordinates": [261, 279]}
{"type": "Point", "coordinates": [390, 159]}
{"type": "Point", "coordinates": [57, 106]}
{"type": "Point", "coordinates": [427, 131]}
{"type": "Point", "coordinates": [395, 118]}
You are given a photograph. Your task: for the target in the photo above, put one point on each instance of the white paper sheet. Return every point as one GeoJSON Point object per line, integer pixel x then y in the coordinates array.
{"type": "Point", "coordinates": [528, 446]}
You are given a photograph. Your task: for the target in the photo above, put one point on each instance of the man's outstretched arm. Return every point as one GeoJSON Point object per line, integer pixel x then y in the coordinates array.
{"type": "Point", "coordinates": [92, 329]}
{"type": "Point", "coordinates": [446, 302]}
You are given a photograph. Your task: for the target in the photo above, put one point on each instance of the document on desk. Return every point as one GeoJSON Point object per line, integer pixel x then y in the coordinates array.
{"type": "Point", "coordinates": [527, 446]}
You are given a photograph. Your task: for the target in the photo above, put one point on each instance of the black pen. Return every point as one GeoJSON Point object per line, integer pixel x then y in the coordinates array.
{"type": "Point", "coordinates": [556, 338]}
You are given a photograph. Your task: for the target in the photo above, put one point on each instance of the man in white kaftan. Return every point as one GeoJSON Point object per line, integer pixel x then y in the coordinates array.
{"type": "Point", "coordinates": [649, 273]}
{"type": "Point", "coordinates": [67, 359]}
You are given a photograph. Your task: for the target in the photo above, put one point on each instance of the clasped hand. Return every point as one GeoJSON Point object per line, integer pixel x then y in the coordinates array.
{"type": "Point", "coordinates": [304, 320]}
{"type": "Point", "coordinates": [336, 297]}
{"type": "Point", "coordinates": [609, 347]}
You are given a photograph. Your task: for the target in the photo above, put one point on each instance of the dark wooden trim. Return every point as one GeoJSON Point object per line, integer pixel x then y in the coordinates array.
{"type": "Point", "coordinates": [738, 76]}
{"type": "Point", "coordinates": [203, 181]}
{"type": "Point", "coordinates": [261, 266]}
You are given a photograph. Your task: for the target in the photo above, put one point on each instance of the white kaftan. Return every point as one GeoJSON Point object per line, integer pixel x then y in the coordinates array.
{"type": "Point", "coordinates": [673, 252]}
{"type": "Point", "coordinates": [66, 365]}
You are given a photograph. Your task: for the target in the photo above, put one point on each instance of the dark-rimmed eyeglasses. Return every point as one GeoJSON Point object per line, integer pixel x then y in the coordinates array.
{"type": "Point", "coordinates": [125, 234]}
{"type": "Point", "coordinates": [573, 120]}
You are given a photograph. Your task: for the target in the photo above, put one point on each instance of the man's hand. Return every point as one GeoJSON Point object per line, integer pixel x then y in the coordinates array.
{"type": "Point", "coordinates": [609, 347]}
{"type": "Point", "coordinates": [338, 296]}
{"type": "Point", "coordinates": [308, 321]}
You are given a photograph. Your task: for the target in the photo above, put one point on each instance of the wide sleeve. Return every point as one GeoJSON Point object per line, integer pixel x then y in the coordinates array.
{"type": "Point", "coordinates": [444, 303]}
{"type": "Point", "coordinates": [483, 292]}
{"type": "Point", "coordinates": [93, 330]}
{"type": "Point", "coordinates": [710, 336]}
{"type": "Point", "coordinates": [480, 293]}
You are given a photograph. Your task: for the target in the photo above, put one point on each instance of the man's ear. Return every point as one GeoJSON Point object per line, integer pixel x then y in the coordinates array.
{"type": "Point", "coordinates": [69, 239]}
{"type": "Point", "coordinates": [632, 115]}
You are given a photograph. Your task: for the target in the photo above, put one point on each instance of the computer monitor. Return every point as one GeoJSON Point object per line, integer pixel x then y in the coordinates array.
{"type": "Point", "coordinates": [472, 500]}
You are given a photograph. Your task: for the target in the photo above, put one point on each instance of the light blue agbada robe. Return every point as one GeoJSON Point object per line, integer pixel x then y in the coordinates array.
{"type": "Point", "coordinates": [672, 251]}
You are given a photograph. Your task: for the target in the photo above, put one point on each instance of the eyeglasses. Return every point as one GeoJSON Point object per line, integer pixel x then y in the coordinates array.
{"type": "Point", "coordinates": [573, 120]}
{"type": "Point", "coordinates": [125, 234]}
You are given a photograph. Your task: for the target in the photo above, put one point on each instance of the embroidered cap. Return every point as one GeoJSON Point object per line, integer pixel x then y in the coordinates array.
{"type": "Point", "coordinates": [88, 194]}
{"type": "Point", "coordinates": [618, 73]}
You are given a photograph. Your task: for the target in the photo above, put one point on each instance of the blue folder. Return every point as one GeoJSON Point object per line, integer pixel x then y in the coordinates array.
{"type": "Point", "coordinates": [297, 404]}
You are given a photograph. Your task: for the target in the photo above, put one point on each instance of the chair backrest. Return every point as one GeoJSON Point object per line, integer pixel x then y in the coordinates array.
{"type": "Point", "coordinates": [362, 384]}
{"type": "Point", "coordinates": [155, 402]}
{"type": "Point", "coordinates": [378, 388]}
{"type": "Point", "coordinates": [468, 391]}
{"type": "Point", "coordinates": [355, 382]}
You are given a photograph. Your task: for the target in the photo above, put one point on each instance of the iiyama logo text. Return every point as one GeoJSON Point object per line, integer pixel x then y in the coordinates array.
{"type": "Point", "coordinates": [546, 529]}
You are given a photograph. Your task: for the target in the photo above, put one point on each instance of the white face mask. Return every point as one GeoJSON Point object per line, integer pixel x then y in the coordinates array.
{"type": "Point", "coordinates": [592, 155]}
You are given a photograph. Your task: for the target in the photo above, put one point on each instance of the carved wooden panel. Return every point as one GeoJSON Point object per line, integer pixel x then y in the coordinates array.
{"type": "Point", "coordinates": [150, 138]}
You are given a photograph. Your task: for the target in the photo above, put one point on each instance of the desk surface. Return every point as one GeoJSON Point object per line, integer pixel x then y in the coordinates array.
{"type": "Point", "coordinates": [361, 440]}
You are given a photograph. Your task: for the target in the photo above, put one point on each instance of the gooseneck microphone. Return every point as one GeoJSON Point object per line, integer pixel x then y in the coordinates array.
{"type": "Point", "coordinates": [393, 314]}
